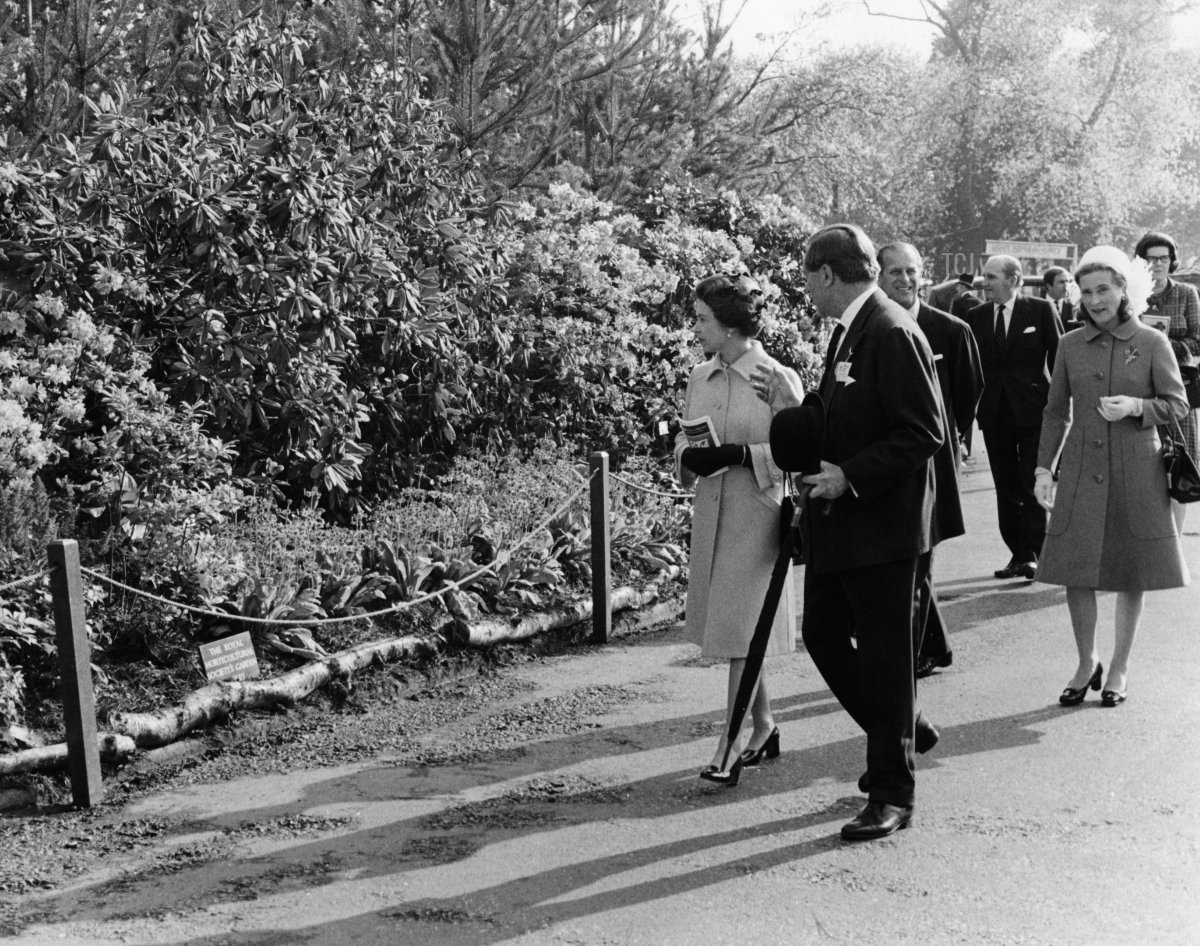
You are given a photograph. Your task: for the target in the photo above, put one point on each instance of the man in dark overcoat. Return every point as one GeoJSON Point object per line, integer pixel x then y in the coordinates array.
{"type": "Point", "coordinates": [868, 517]}
{"type": "Point", "coordinates": [1018, 338]}
{"type": "Point", "coordinates": [960, 381]}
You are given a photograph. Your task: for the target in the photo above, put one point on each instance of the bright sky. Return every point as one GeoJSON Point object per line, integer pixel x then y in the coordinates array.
{"type": "Point", "coordinates": [850, 24]}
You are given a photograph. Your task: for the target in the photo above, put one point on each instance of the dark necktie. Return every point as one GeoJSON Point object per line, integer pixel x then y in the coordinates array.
{"type": "Point", "coordinates": [830, 353]}
{"type": "Point", "coordinates": [1001, 334]}
{"type": "Point", "coordinates": [834, 341]}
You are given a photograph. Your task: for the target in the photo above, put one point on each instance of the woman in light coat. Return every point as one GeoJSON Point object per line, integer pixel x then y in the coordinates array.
{"type": "Point", "coordinates": [1111, 526]}
{"type": "Point", "coordinates": [735, 520]}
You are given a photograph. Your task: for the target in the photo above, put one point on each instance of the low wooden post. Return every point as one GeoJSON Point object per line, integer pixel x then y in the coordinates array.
{"type": "Point", "coordinates": [75, 667]}
{"type": "Point", "coordinates": [601, 508]}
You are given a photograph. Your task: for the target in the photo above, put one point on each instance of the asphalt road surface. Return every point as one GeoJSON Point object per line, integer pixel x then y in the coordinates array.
{"type": "Point", "coordinates": [565, 808]}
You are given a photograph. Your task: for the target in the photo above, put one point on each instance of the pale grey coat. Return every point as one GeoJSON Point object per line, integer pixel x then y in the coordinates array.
{"type": "Point", "coordinates": [735, 518]}
{"type": "Point", "coordinates": [1111, 527]}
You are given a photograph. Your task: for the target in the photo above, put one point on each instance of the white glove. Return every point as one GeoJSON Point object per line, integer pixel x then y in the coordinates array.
{"type": "Point", "coordinates": [1119, 406]}
{"type": "Point", "coordinates": [1043, 490]}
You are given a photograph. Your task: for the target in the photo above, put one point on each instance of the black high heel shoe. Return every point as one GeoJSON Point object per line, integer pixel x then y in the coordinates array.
{"type": "Point", "coordinates": [768, 750]}
{"type": "Point", "coordinates": [1073, 697]}
{"type": "Point", "coordinates": [728, 778]}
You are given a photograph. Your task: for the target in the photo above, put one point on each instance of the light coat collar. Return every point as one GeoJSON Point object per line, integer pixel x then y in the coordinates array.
{"type": "Point", "coordinates": [744, 365]}
{"type": "Point", "coordinates": [1122, 330]}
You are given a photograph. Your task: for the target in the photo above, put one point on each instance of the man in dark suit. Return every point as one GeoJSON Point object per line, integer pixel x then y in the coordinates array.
{"type": "Point", "coordinates": [945, 294]}
{"type": "Point", "coordinates": [963, 303]}
{"type": "Point", "coordinates": [867, 518]}
{"type": "Point", "coordinates": [1018, 338]}
{"type": "Point", "coordinates": [1056, 285]}
{"type": "Point", "coordinates": [960, 381]}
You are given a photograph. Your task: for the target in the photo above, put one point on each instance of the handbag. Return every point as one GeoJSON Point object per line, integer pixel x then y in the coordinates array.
{"type": "Point", "coordinates": [1191, 384]}
{"type": "Point", "coordinates": [789, 523]}
{"type": "Point", "coordinates": [1183, 480]}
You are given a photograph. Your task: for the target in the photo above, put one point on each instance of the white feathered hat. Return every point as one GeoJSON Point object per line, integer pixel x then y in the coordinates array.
{"type": "Point", "coordinates": [1134, 272]}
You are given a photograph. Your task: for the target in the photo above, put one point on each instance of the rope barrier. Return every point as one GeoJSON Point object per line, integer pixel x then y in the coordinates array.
{"type": "Point", "coordinates": [649, 489]}
{"type": "Point", "coordinates": [318, 622]}
{"type": "Point", "coordinates": [27, 580]}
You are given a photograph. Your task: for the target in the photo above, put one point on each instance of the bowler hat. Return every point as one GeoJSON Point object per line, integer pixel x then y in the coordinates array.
{"type": "Point", "coordinates": [966, 279]}
{"type": "Point", "coordinates": [796, 435]}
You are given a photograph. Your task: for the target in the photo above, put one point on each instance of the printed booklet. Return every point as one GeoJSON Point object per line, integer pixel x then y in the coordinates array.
{"type": "Point", "coordinates": [700, 432]}
{"type": "Point", "coordinates": [1157, 320]}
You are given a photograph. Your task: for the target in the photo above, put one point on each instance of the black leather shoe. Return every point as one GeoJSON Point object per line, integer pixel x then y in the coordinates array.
{"type": "Point", "coordinates": [877, 820]}
{"type": "Point", "coordinates": [1008, 571]}
{"type": "Point", "coordinates": [1112, 697]}
{"type": "Point", "coordinates": [1073, 697]}
{"type": "Point", "coordinates": [768, 750]}
{"type": "Point", "coordinates": [1015, 569]}
{"type": "Point", "coordinates": [926, 665]}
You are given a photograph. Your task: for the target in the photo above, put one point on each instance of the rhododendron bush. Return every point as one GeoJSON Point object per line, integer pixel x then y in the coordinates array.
{"type": "Point", "coordinates": [275, 283]}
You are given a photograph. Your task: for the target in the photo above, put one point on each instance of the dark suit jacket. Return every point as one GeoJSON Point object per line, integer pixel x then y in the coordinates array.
{"type": "Point", "coordinates": [960, 379]}
{"type": "Point", "coordinates": [962, 305]}
{"type": "Point", "coordinates": [1071, 315]}
{"type": "Point", "coordinates": [882, 427]}
{"type": "Point", "coordinates": [1022, 373]}
{"type": "Point", "coordinates": [956, 358]}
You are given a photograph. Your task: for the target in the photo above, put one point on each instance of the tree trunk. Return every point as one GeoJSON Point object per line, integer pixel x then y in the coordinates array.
{"type": "Point", "coordinates": [113, 748]}
{"type": "Point", "coordinates": [217, 700]}
{"type": "Point", "coordinates": [483, 633]}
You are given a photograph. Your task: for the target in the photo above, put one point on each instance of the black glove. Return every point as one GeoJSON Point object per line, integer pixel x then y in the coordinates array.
{"type": "Point", "coordinates": [704, 461]}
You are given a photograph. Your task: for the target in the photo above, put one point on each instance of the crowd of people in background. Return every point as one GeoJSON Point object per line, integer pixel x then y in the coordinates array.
{"type": "Point", "coordinates": [1071, 392]}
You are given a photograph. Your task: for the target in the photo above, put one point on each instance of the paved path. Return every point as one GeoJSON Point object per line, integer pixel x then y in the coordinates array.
{"type": "Point", "coordinates": [1035, 825]}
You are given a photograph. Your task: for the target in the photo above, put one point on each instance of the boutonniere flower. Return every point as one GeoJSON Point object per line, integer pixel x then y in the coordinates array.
{"type": "Point", "coordinates": [1131, 355]}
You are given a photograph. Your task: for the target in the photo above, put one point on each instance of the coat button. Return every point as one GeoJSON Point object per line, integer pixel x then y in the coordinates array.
{"type": "Point", "coordinates": [1099, 375]}
{"type": "Point", "coordinates": [1099, 477]}
{"type": "Point", "coordinates": [1098, 442]}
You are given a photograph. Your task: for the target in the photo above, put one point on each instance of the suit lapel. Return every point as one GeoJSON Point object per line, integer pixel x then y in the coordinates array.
{"type": "Point", "coordinates": [1019, 317]}
{"type": "Point", "coordinates": [829, 384]}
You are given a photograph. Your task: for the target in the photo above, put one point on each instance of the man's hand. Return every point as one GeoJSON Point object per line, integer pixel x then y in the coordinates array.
{"type": "Point", "coordinates": [1119, 406]}
{"type": "Point", "coordinates": [768, 387]}
{"type": "Point", "coordinates": [1043, 490]}
{"type": "Point", "coordinates": [830, 483]}
{"type": "Point", "coordinates": [705, 461]}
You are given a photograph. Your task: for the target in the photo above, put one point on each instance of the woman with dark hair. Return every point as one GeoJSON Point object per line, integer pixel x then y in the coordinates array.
{"type": "Point", "coordinates": [1181, 303]}
{"type": "Point", "coordinates": [1111, 527]}
{"type": "Point", "coordinates": [739, 489]}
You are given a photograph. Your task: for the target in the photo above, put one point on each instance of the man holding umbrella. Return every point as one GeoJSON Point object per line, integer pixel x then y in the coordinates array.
{"type": "Point", "coordinates": [868, 514]}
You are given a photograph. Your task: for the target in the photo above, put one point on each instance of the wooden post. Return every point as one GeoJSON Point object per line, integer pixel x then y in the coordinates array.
{"type": "Point", "coordinates": [75, 667]}
{"type": "Point", "coordinates": [601, 562]}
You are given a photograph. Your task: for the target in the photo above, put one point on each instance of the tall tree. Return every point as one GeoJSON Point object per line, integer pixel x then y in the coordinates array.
{"type": "Point", "coordinates": [1064, 131]}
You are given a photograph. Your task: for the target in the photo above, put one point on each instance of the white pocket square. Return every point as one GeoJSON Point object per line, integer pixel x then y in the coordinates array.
{"type": "Point", "coordinates": [1028, 330]}
{"type": "Point", "coordinates": [938, 357]}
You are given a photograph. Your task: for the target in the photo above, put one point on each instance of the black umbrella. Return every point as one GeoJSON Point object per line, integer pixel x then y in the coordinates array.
{"type": "Point", "coordinates": [796, 437]}
{"type": "Point", "coordinates": [762, 630]}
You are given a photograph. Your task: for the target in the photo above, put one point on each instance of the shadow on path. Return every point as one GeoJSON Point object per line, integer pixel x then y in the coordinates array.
{"type": "Point", "coordinates": [452, 833]}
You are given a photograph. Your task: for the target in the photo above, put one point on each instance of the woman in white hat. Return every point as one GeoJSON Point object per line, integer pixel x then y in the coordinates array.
{"type": "Point", "coordinates": [1111, 526]}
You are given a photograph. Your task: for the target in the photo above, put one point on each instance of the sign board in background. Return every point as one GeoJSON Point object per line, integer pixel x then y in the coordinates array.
{"type": "Point", "coordinates": [1023, 249]}
{"type": "Point", "coordinates": [229, 658]}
